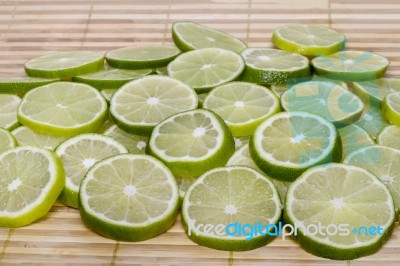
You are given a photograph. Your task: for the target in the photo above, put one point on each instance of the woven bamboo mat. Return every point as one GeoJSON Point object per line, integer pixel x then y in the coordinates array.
{"type": "Point", "coordinates": [30, 28]}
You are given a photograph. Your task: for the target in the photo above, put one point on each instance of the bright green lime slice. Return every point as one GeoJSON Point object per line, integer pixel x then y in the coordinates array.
{"type": "Point", "coordinates": [391, 108]}
{"type": "Point", "coordinates": [27, 137]}
{"type": "Point", "coordinates": [21, 84]}
{"type": "Point", "coordinates": [390, 137]}
{"type": "Point", "coordinates": [136, 144]}
{"type": "Point", "coordinates": [8, 111]}
{"type": "Point", "coordinates": [7, 141]}
{"type": "Point", "coordinates": [372, 121]}
{"type": "Point", "coordinates": [374, 91]}
{"type": "Point", "coordinates": [353, 137]}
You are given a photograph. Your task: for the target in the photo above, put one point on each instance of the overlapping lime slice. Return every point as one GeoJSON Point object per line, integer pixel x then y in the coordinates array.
{"type": "Point", "coordinates": [353, 137]}
{"type": "Point", "coordinates": [8, 111]}
{"type": "Point", "coordinates": [27, 137]}
{"type": "Point", "coordinates": [21, 84]}
{"type": "Point", "coordinates": [7, 141]}
{"type": "Point", "coordinates": [390, 137]}
{"type": "Point", "coordinates": [391, 108]}
{"type": "Point", "coordinates": [374, 91]}
{"type": "Point", "coordinates": [134, 143]}
{"type": "Point", "coordinates": [372, 121]}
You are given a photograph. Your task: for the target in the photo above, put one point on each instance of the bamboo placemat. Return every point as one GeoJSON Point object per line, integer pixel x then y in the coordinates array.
{"type": "Point", "coordinates": [31, 28]}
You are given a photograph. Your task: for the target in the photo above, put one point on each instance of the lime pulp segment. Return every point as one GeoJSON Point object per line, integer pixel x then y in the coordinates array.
{"type": "Point", "coordinates": [390, 137]}
{"type": "Point", "coordinates": [353, 137]}
{"type": "Point", "coordinates": [391, 108]}
{"type": "Point", "coordinates": [372, 121]}
{"type": "Point", "coordinates": [7, 141]}
{"type": "Point", "coordinates": [374, 91]}
{"type": "Point", "coordinates": [8, 111]}
{"type": "Point", "coordinates": [27, 137]}
{"type": "Point", "coordinates": [135, 144]}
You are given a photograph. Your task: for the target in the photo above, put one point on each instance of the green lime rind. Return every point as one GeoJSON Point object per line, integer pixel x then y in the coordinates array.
{"type": "Point", "coordinates": [7, 140]}
{"type": "Point", "coordinates": [142, 56]}
{"type": "Point", "coordinates": [391, 108]}
{"type": "Point", "coordinates": [14, 85]}
{"type": "Point", "coordinates": [111, 78]}
{"type": "Point", "coordinates": [351, 66]}
{"type": "Point", "coordinates": [278, 67]}
{"type": "Point", "coordinates": [353, 137]}
{"type": "Point", "coordinates": [189, 36]}
{"type": "Point", "coordinates": [374, 91]}
{"type": "Point", "coordinates": [390, 137]}
{"type": "Point", "coordinates": [19, 157]}
{"type": "Point", "coordinates": [64, 64]}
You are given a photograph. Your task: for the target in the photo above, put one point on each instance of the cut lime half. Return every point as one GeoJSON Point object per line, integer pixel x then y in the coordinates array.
{"type": "Point", "coordinates": [8, 111]}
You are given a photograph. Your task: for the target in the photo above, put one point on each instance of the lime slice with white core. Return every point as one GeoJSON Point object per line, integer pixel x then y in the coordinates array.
{"type": "Point", "coordinates": [192, 142]}
{"type": "Point", "coordinates": [63, 109]}
{"type": "Point", "coordinates": [240, 142]}
{"type": "Point", "coordinates": [384, 162]}
{"type": "Point", "coordinates": [27, 137]}
{"type": "Point", "coordinates": [191, 36]}
{"type": "Point", "coordinates": [273, 66]}
{"type": "Point", "coordinates": [391, 108]}
{"type": "Point", "coordinates": [142, 56]}
{"type": "Point", "coordinates": [140, 104]}
{"type": "Point", "coordinates": [108, 94]}
{"type": "Point", "coordinates": [242, 105]}
{"type": "Point", "coordinates": [374, 91]}
{"type": "Point", "coordinates": [242, 157]}
{"type": "Point", "coordinates": [217, 201]}
{"type": "Point", "coordinates": [30, 181]}
{"type": "Point", "coordinates": [288, 143]}
{"type": "Point", "coordinates": [111, 78]}
{"type": "Point", "coordinates": [327, 99]}
{"type": "Point", "coordinates": [206, 68]}
{"type": "Point", "coordinates": [135, 144]}
{"type": "Point", "coordinates": [80, 153]}
{"type": "Point", "coordinates": [129, 198]}
{"type": "Point", "coordinates": [390, 137]}
{"type": "Point", "coordinates": [8, 111]}
{"type": "Point", "coordinates": [21, 84]}
{"type": "Point", "coordinates": [7, 141]}
{"type": "Point", "coordinates": [308, 39]}
{"type": "Point", "coordinates": [64, 64]}
{"type": "Point", "coordinates": [372, 121]}
{"type": "Point", "coordinates": [353, 137]}
{"type": "Point", "coordinates": [351, 66]}
{"type": "Point", "coordinates": [341, 212]}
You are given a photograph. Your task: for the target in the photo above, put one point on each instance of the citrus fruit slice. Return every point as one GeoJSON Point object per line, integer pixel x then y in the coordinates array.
{"type": "Point", "coordinates": [201, 97]}
{"type": "Point", "coordinates": [351, 66]}
{"type": "Point", "coordinates": [372, 121]}
{"type": "Point", "coordinates": [308, 39]}
{"type": "Point", "coordinates": [391, 108]}
{"type": "Point", "coordinates": [191, 36]}
{"type": "Point", "coordinates": [288, 143]}
{"type": "Point", "coordinates": [327, 99]}
{"type": "Point", "coordinates": [374, 91]}
{"type": "Point", "coordinates": [142, 56]}
{"type": "Point", "coordinates": [129, 197]}
{"type": "Point", "coordinates": [334, 208]}
{"type": "Point", "coordinates": [217, 202]}
{"type": "Point", "coordinates": [192, 142]}
{"type": "Point", "coordinates": [64, 64]}
{"type": "Point", "coordinates": [207, 68]}
{"type": "Point", "coordinates": [7, 141]}
{"type": "Point", "coordinates": [353, 137]}
{"type": "Point", "coordinates": [63, 109]}
{"type": "Point", "coordinates": [273, 66]}
{"type": "Point", "coordinates": [183, 185]}
{"type": "Point", "coordinates": [8, 111]}
{"type": "Point", "coordinates": [27, 137]}
{"type": "Point", "coordinates": [140, 104]}
{"type": "Point", "coordinates": [240, 142]}
{"type": "Point", "coordinates": [134, 143]}
{"type": "Point", "coordinates": [107, 94]}
{"type": "Point", "coordinates": [80, 153]}
{"type": "Point", "coordinates": [31, 180]}
{"type": "Point", "coordinates": [242, 105]}
{"type": "Point", "coordinates": [390, 137]}
{"type": "Point", "coordinates": [21, 84]}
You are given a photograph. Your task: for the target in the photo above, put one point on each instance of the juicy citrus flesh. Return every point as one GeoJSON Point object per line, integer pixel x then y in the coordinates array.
{"type": "Point", "coordinates": [372, 121]}
{"type": "Point", "coordinates": [391, 108]}
{"type": "Point", "coordinates": [374, 91]}
{"type": "Point", "coordinates": [135, 144]}
{"type": "Point", "coordinates": [353, 137]}
{"type": "Point", "coordinates": [27, 137]}
{"type": "Point", "coordinates": [108, 94]}
{"type": "Point", "coordinates": [389, 137]}
{"type": "Point", "coordinates": [8, 111]}
{"type": "Point", "coordinates": [7, 141]}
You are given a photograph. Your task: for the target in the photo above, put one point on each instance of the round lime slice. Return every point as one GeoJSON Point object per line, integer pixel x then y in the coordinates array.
{"type": "Point", "coordinates": [390, 137]}
{"type": "Point", "coordinates": [8, 111]}
{"type": "Point", "coordinates": [13, 85]}
{"type": "Point", "coordinates": [374, 91]}
{"type": "Point", "coordinates": [372, 121]}
{"type": "Point", "coordinates": [27, 137]}
{"type": "Point", "coordinates": [353, 137]}
{"type": "Point", "coordinates": [391, 108]}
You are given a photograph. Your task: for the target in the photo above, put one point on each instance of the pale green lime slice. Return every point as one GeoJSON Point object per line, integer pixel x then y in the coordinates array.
{"type": "Point", "coordinates": [134, 143]}
{"type": "Point", "coordinates": [353, 137]}
{"type": "Point", "coordinates": [206, 68]}
{"type": "Point", "coordinates": [240, 142]}
{"type": "Point", "coordinates": [8, 111]}
{"type": "Point", "coordinates": [372, 121]}
{"type": "Point", "coordinates": [140, 104]}
{"type": "Point", "coordinates": [31, 180]}
{"type": "Point", "coordinates": [218, 199]}
{"type": "Point", "coordinates": [129, 198]}
{"type": "Point", "coordinates": [27, 137]}
{"type": "Point", "coordinates": [21, 84]}
{"type": "Point", "coordinates": [64, 64]}
{"type": "Point", "coordinates": [63, 109]}
{"type": "Point", "coordinates": [7, 141]}
{"type": "Point", "coordinates": [374, 91]}
{"type": "Point", "coordinates": [391, 108]}
{"type": "Point", "coordinates": [191, 36]}
{"type": "Point", "coordinates": [342, 212]}
{"type": "Point", "coordinates": [390, 137]}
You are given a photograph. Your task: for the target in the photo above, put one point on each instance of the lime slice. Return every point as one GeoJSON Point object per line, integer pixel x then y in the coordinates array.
{"type": "Point", "coordinates": [372, 121]}
{"type": "Point", "coordinates": [353, 137]}
{"type": "Point", "coordinates": [129, 198]}
{"type": "Point", "coordinates": [273, 66]}
{"type": "Point", "coordinates": [27, 137]}
{"type": "Point", "coordinates": [342, 212]}
{"type": "Point", "coordinates": [80, 153]}
{"type": "Point", "coordinates": [63, 109]}
{"type": "Point", "coordinates": [374, 91]}
{"type": "Point", "coordinates": [192, 142]}
{"type": "Point", "coordinates": [308, 40]}
{"type": "Point", "coordinates": [21, 84]}
{"type": "Point", "coordinates": [142, 56]}
{"type": "Point", "coordinates": [242, 105]}
{"type": "Point", "coordinates": [351, 66]}
{"type": "Point", "coordinates": [111, 78]}
{"type": "Point", "coordinates": [183, 185]}
{"type": "Point", "coordinates": [383, 162]}
{"type": "Point", "coordinates": [7, 141]}
{"type": "Point", "coordinates": [134, 143]}
{"type": "Point", "coordinates": [288, 143]}
{"type": "Point", "coordinates": [206, 68]}
{"type": "Point", "coordinates": [191, 36]}
{"type": "Point", "coordinates": [140, 104]}
{"type": "Point", "coordinates": [218, 201]}
{"type": "Point", "coordinates": [162, 71]}
{"type": "Point", "coordinates": [8, 111]}
{"type": "Point", "coordinates": [31, 180]}
{"type": "Point", "coordinates": [326, 99]}
{"type": "Point", "coordinates": [240, 142]}
{"type": "Point", "coordinates": [64, 64]}
{"type": "Point", "coordinates": [106, 125]}
{"type": "Point", "coordinates": [242, 157]}
{"type": "Point", "coordinates": [108, 94]}
{"type": "Point", "coordinates": [391, 108]}
{"type": "Point", "coordinates": [390, 137]}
